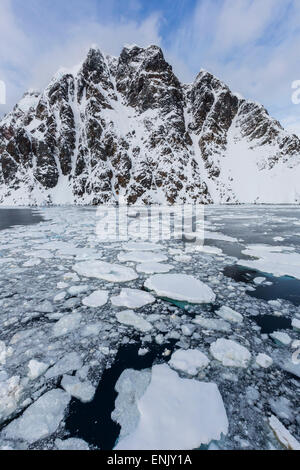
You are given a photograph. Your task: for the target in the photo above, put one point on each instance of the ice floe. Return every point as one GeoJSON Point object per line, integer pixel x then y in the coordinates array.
{"type": "Point", "coordinates": [281, 338]}
{"type": "Point", "coordinates": [180, 287]}
{"type": "Point", "coordinates": [280, 261]}
{"type": "Point", "coordinates": [141, 257]}
{"type": "Point", "coordinates": [96, 299]}
{"type": "Point", "coordinates": [152, 267]}
{"type": "Point", "coordinates": [72, 443]}
{"type": "Point", "coordinates": [132, 298]}
{"type": "Point", "coordinates": [283, 435]}
{"type": "Point", "coordinates": [263, 360]}
{"type": "Point", "coordinates": [106, 271]}
{"type": "Point", "coordinates": [296, 324]}
{"type": "Point", "coordinates": [70, 362]}
{"type": "Point", "coordinates": [84, 391]}
{"type": "Point", "coordinates": [141, 246]}
{"type": "Point", "coordinates": [169, 400]}
{"type": "Point", "coordinates": [128, 317]}
{"type": "Point", "coordinates": [212, 324]}
{"type": "Point", "coordinates": [229, 315]}
{"type": "Point", "coordinates": [10, 395]}
{"type": "Point", "coordinates": [230, 353]}
{"type": "Point", "coordinates": [41, 419]}
{"type": "Point", "coordinates": [36, 368]}
{"type": "Point", "coordinates": [67, 324]}
{"type": "Point", "coordinates": [190, 361]}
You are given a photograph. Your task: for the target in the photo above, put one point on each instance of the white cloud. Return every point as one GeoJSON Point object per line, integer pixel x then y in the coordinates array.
{"type": "Point", "coordinates": [252, 45]}
{"type": "Point", "coordinates": [109, 37]}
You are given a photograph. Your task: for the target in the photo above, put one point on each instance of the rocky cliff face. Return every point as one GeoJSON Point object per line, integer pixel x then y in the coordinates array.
{"type": "Point", "coordinates": [125, 130]}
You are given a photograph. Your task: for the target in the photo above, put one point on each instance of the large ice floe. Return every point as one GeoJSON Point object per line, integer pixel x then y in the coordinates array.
{"type": "Point", "coordinates": [169, 401]}
{"type": "Point", "coordinates": [132, 298]}
{"type": "Point", "coordinates": [107, 271]}
{"type": "Point", "coordinates": [278, 260]}
{"type": "Point", "coordinates": [41, 419]}
{"type": "Point", "coordinates": [180, 287]}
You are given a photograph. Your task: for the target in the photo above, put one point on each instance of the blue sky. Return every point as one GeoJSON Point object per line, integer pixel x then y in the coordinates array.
{"type": "Point", "coordinates": [252, 45]}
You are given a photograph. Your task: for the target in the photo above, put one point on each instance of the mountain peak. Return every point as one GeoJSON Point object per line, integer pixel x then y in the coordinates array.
{"type": "Point", "coordinates": [125, 130]}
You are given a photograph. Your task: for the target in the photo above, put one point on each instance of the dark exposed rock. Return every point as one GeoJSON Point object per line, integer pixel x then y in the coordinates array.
{"type": "Point", "coordinates": [125, 130]}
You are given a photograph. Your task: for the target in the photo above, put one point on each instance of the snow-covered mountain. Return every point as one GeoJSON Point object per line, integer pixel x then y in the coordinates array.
{"type": "Point", "coordinates": [126, 130]}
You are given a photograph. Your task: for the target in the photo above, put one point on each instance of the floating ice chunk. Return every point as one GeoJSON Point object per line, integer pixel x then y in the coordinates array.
{"type": "Point", "coordinates": [212, 324]}
{"type": "Point", "coordinates": [180, 287]}
{"type": "Point", "coordinates": [10, 394]}
{"type": "Point", "coordinates": [45, 307]}
{"type": "Point", "coordinates": [93, 329]}
{"type": "Point", "coordinates": [170, 400]}
{"type": "Point", "coordinates": [219, 236]}
{"type": "Point", "coordinates": [3, 352]}
{"type": "Point", "coordinates": [96, 299]}
{"type": "Point", "coordinates": [190, 361]}
{"type": "Point", "coordinates": [259, 280]}
{"type": "Point", "coordinates": [55, 245]}
{"type": "Point", "coordinates": [71, 444]}
{"type": "Point", "coordinates": [296, 324]}
{"type": "Point", "coordinates": [132, 298]}
{"type": "Point", "coordinates": [84, 391]}
{"type": "Point", "coordinates": [44, 254]}
{"type": "Point", "coordinates": [229, 315]}
{"type": "Point", "coordinates": [280, 261]}
{"type": "Point", "coordinates": [281, 338]}
{"type": "Point", "coordinates": [141, 246]}
{"type": "Point", "coordinates": [283, 435]}
{"type": "Point", "coordinates": [62, 285]}
{"type": "Point", "coordinates": [67, 324]}
{"type": "Point", "coordinates": [32, 262]}
{"type": "Point", "coordinates": [183, 258]}
{"type": "Point", "coordinates": [212, 250]}
{"type": "Point", "coordinates": [41, 419]}
{"type": "Point", "coordinates": [282, 407]}
{"type": "Point", "coordinates": [108, 272]}
{"type": "Point", "coordinates": [152, 267]}
{"type": "Point", "coordinates": [296, 344]}
{"type": "Point", "coordinates": [59, 297]}
{"type": "Point", "coordinates": [36, 369]}
{"type": "Point", "coordinates": [263, 360]}
{"type": "Point", "coordinates": [143, 351]}
{"type": "Point", "coordinates": [77, 290]}
{"type": "Point", "coordinates": [130, 386]}
{"type": "Point", "coordinates": [128, 317]}
{"type": "Point", "coordinates": [141, 257]}
{"type": "Point", "coordinates": [230, 353]}
{"type": "Point", "coordinates": [68, 363]}
{"type": "Point", "coordinates": [71, 277]}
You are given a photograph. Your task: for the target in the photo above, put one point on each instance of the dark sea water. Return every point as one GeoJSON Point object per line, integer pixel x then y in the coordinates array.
{"type": "Point", "coordinates": [92, 421]}
{"type": "Point", "coordinates": [12, 217]}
